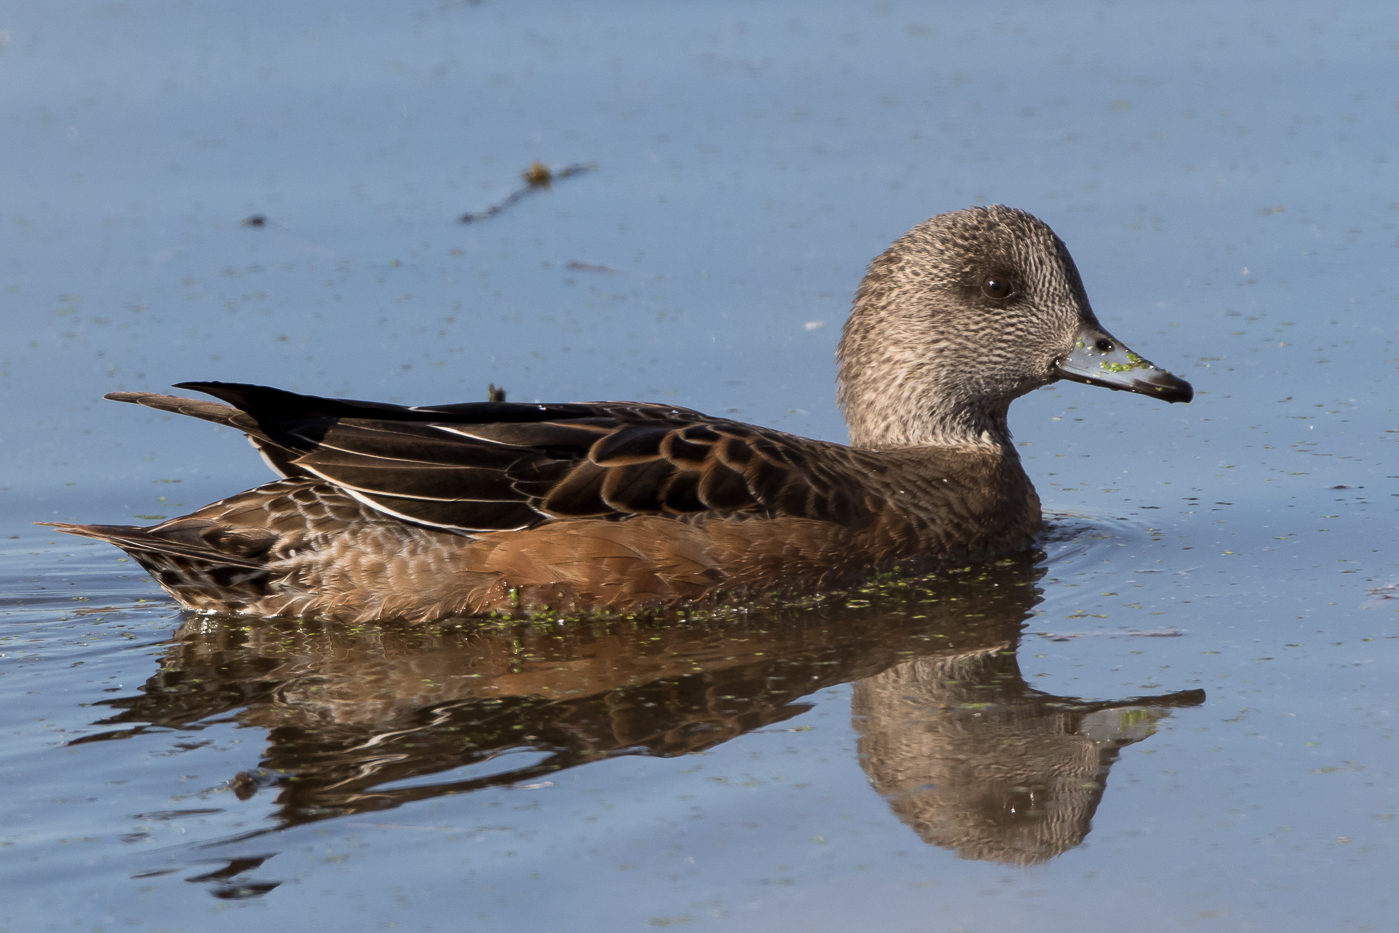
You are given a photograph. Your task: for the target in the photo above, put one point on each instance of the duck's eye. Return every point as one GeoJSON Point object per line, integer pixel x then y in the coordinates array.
{"type": "Point", "coordinates": [997, 287]}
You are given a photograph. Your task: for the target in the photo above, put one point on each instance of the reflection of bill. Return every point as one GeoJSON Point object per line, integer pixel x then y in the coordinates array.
{"type": "Point", "coordinates": [978, 762]}
{"type": "Point", "coordinates": [361, 718]}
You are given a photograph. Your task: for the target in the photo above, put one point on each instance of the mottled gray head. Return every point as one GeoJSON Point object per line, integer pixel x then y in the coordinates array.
{"type": "Point", "coordinates": [961, 315]}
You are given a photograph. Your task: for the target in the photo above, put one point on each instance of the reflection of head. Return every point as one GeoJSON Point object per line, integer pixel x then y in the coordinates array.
{"type": "Point", "coordinates": [977, 762]}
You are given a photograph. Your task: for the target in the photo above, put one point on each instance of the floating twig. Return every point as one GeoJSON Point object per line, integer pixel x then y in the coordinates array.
{"type": "Point", "coordinates": [537, 176]}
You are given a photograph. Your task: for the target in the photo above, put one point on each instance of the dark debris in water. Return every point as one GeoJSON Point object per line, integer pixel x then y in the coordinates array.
{"type": "Point", "coordinates": [578, 266]}
{"type": "Point", "coordinates": [228, 883]}
{"type": "Point", "coordinates": [1071, 636]}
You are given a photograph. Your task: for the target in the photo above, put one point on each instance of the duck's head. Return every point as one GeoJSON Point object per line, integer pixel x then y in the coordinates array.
{"type": "Point", "coordinates": [964, 313]}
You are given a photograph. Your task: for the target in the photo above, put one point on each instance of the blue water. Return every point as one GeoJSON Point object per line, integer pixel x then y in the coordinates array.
{"type": "Point", "coordinates": [1222, 174]}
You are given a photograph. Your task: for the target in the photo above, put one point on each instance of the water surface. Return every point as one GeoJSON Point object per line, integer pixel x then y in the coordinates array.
{"type": "Point", "coordinates": [1178, 714]}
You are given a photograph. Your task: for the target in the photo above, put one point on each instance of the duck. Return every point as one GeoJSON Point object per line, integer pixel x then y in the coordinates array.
{"type": "Point", "coordinates": [497, 508]}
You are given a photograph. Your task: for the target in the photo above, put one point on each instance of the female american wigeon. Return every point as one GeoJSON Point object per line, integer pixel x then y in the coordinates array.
{"type": "Point", "coordinates": [450, 510]}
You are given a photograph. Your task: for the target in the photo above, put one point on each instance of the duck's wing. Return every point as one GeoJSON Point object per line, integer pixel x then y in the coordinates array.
{"type": "Point", "coordinates": [495, 466]}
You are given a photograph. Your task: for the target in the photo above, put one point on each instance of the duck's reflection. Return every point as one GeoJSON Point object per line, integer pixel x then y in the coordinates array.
{"type": "Point", "coordinates": [977, 761]}
{"type": "Point", "coordinates": [370, 717]}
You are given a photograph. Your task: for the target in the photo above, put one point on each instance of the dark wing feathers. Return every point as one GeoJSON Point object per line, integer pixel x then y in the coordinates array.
{"type": "Point", "coordinates": [490, 466]}
{"type": "Point", "coordinates": [455, 514]}
{"type": "Point", "coordinates": [628, 444]}
{"type": "Point", "coordinates": [685, 449]}
{"type": "Point", "coordinates": [415, 480]}
{"type": "Point", "coordinates": [723, 488]}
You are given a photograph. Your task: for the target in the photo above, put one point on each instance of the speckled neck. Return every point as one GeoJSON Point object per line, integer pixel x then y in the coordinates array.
{"type": "Point", "coordinates": [887, 416]}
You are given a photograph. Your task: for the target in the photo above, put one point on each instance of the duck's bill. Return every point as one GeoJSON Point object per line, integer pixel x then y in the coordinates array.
{"type": "Point", "coordinates": [1100, 359]}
